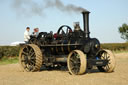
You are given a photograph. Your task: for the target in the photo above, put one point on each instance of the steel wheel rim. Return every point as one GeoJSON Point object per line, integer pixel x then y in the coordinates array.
{"type": "Point", "coordinates": [77, 62]}
{"type": "Point", "coordinates": [107, 55]}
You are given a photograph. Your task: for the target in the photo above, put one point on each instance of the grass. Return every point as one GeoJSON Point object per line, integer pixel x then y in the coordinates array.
{"type": "Point", "coordinates": [6, 60]}
{"type": "Point", "coordinates": [121, 51]}
{"type": "Point", "coordinates": [13, 60]}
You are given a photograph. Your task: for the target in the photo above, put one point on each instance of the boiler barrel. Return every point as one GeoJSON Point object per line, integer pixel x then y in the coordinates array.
{"type": "Point", "coordinates": [64, 47]}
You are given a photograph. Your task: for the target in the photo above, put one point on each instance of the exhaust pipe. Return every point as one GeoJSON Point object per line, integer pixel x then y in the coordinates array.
{"type": "Point", "coordinates": [86, 23]}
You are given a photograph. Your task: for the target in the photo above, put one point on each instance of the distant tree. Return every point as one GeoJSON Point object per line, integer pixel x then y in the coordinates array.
{"type": "Point", "coordinates": [123, 30]}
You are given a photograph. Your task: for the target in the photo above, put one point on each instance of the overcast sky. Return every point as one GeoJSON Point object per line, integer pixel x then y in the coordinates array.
{"type": "Point", "coordinates": [105, 18]}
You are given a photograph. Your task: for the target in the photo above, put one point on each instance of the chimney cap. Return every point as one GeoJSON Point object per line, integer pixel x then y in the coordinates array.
{"type": "Point", "coordinates": [85, 12]}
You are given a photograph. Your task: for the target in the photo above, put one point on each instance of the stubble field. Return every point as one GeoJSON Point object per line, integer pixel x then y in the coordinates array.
{"type": "Point", "coordinates": [11, 74]}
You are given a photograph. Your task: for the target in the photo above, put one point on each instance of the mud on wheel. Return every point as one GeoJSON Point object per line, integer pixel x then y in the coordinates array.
{"type": "Point", "coordinates": [77, 62]}
{"type": "Point", "coordinates": [107, 55]}
{"type": "Point", "coordinates": [30, 58]}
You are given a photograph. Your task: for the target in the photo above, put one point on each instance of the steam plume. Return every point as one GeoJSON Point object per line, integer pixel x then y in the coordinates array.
{"type": "Point", "coordinates": [67, 8]}
{"type": "Point", "coordinates": [32, 7]}
{"type": "Point", "coordinates": [27, 7]}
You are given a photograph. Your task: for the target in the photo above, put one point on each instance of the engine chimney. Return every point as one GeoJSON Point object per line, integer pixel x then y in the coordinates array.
{"type": "Point", "coordinates": [86, 23]}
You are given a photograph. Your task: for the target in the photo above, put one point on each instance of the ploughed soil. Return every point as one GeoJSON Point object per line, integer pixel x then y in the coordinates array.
{"type": "Point", "coordinates": [11, 74]}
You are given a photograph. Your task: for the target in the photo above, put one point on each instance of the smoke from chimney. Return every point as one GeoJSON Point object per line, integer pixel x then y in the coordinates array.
{"type": "Point", "coordinates": [31, 7]}
{"type": "Point", "coordinates": [64, 8]}
{"type": "Point", "coordinates": [27, 7]}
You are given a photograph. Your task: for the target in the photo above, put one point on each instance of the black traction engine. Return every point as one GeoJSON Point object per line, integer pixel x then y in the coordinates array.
{"type": "Point", "coordinates": [68, 47]}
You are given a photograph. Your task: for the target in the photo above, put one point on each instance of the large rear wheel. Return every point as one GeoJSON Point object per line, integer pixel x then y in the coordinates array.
{"type": "Point", "coordinates": [77, 62]}
{"type": "Point", "coordinates": [30, 58]}
{"type": "Point", "coordinates": [107, 55]}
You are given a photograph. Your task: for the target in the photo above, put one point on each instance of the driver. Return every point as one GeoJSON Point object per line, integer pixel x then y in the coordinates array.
{"type": "Point", "coordinates": [36, 32]}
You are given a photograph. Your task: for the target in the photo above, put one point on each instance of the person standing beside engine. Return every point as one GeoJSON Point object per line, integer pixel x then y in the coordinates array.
{"type": "Point", "coordinates": [27, 35]}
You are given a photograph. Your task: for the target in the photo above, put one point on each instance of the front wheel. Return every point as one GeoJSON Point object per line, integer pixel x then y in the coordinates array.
{"type": "Point", "coordinates": [107, 55]}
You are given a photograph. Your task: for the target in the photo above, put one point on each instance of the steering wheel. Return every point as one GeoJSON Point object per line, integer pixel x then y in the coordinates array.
{"type": "Point", "coordinates": [63, 31]}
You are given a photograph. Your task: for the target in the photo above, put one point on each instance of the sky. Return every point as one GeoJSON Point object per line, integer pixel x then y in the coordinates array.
{"type": "Point", "coordinates": [105, 18]}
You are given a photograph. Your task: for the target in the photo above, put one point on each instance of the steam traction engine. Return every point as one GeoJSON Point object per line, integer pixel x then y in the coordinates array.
{"type": "Point", "coordinates": [72, 48]}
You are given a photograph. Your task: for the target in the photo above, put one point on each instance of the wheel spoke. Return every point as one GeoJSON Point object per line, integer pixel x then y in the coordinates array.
{"type": "Point", "coordinates": [26, 62]}
{"type": "Point", "coordinates": [75, 63]}
{"type": "Point", "coordinates": [28, 55]}
{"type": "Point", "coordinates": [30, 51]}
{"type": "Point", "coordinates": [72, 68]}
{"type": "Point", "coordinates": [32, 54]}
{"type": "Point", "coordinates": [76, 70]}
{"type": "Point", "coordinates": [107, 67]}
{"type": "Point", "coordinates": [104, 55]}
{"type": "Point", "coordinates": [27, 49]}
{"type": "Point", "coordinates": [107, 55]}
{"type": "Point", "coordinates": [30, 68]}
{"type": "Point", "coordinates": [71, 60]}
{"type": "Point", "coordinates": [33, 58]}
{"type": "Point", "coordinates": [24, 53]}
{"type": "Point", "coordinates": [32, 62]}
